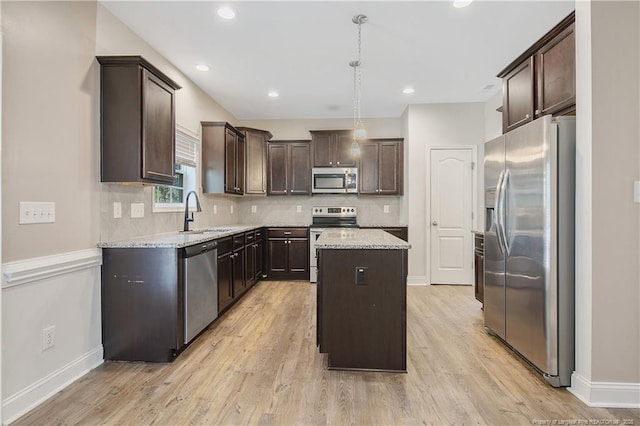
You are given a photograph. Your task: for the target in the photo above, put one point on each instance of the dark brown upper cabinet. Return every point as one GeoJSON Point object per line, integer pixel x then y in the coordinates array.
{"type": "Point", "coordinates": [256, 160]}
{"type": "Point", "coordinates": [223, 158]}
{"type": "Point", "coordinates": [137, 121]}
{"type": "Point", "coordinates": [288, 168]}
{"type": "Point", "coordinates": [542, 80]}
{"type": "Point", "coordinates": [380, 170]}
{"type": "Point", "coordinates": [332, 148]}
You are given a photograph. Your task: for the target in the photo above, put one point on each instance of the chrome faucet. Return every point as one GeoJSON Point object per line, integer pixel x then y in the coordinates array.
{"type": "Point", "coordinates": [188, 219]}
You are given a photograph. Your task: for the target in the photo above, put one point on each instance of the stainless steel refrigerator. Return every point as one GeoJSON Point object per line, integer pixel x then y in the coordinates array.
{"type": "Point", "coordinates": [529, 176]}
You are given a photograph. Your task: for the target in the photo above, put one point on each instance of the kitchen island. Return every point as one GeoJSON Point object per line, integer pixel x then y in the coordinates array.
{"type": "Point", "coordinates": [361, 300]}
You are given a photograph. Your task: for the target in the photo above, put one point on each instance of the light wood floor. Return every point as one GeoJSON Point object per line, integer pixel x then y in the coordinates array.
{"type": "Point", "coordinates": [259, 365]}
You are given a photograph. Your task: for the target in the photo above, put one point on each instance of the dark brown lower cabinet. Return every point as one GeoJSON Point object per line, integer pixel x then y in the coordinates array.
{"type": "Point", "coordinates": [225, 273]}
{"type": "Point", "coordinates": [478, 262]}
{"type": "Point", "coordinates": [142, 304]}
{"type": "Point", "coordinates": [362, 310]}
{"type": "Point", "coordinates": [288, 253]}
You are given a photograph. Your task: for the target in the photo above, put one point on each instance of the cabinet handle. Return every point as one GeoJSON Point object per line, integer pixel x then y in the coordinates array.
{"type": "Point", "coordinates": [330, 163]}
{"type": "Point", "coordinates": [528, 116]}
{"type": "Point", "coordinates": [537, 111]}
{"type": "Point", "coordinates": [285, 191]}
{"type": "Point", "coordinates": [338, 163]}
{"type": "Point", "coordinates": [287, 233]}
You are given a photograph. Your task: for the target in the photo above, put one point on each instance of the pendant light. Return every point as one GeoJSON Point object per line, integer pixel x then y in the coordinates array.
{"type": "Point", "coordinates": [359, 132]}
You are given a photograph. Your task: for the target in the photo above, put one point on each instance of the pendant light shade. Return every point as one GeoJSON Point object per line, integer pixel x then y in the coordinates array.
{"type": "Point", "coordinates": [359, 131]}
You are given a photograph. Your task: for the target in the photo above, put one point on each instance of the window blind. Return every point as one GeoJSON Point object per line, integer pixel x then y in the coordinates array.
{"type": "Point", "coordinates": [186, 149]}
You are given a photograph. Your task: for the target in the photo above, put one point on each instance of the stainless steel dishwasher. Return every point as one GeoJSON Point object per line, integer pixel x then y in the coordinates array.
{"type": "Point", "coordinates": [200, 287]}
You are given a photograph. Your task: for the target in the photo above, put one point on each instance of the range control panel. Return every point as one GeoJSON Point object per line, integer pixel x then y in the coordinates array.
{"type": "Point", "coordinates": [334, 211]}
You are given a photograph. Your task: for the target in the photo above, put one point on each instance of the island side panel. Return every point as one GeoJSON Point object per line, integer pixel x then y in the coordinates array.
{"type": "Point", "coordinates": [363, 321]}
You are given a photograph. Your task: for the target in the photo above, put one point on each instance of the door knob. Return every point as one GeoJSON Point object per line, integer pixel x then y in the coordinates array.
{"type": "Point", "coordinates": [434, 223]}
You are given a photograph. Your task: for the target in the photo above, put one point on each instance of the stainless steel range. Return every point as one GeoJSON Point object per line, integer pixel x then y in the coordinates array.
{"type": "Point", "coordinates": [324, 218]}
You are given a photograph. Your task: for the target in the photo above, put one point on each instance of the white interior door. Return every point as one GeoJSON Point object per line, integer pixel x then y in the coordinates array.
{"type": "Point", "coordinates": [451, 216]}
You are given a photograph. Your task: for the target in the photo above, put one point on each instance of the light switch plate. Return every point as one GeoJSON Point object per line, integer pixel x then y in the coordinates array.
{"type": "Point", "coordinates": [254, 209]}
{"type": "Point", "coordinates": [215, 209]}
{"type": "Point", "coordinates": [231, 209]}
{"type": "Point", "coordinates": [137, 210]}
{"type": "Point", "coordinates": [636, 191]}
{"type": "Point", "coordinates": [386, 208]}
{"type": "Point", "coordinates": [298, 209]}
{"type": "Point", "coordinates": [117, 210]}
{"type": "Point", "coordinates": [37, 212]}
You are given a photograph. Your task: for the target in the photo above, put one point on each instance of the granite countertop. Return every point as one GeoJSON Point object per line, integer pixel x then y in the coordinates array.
{"type": "Point", "coordinates": [353, 238]}
{"type": "Point", "coordinates": [378, 225]}
{"type": "Point", "coordinates": [179, 239]}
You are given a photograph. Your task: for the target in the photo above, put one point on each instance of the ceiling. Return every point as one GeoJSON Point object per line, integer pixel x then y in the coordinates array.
{"type": "Point", "coordinates": [302, 50]}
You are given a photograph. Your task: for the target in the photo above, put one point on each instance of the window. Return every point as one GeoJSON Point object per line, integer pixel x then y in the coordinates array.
{"type": "Point", "coordinates": [170, 198]}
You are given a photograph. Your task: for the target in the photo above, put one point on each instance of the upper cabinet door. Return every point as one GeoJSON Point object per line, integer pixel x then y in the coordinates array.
{"type": "Point", "coordinates": [277, 169]}
{"type": "Point", "coordinates": [137, 121]}
{"type": "Point", "coordinates": [556, 70]}
{"type": "Point", "coordinates": [332, 148]}
{"type": "Point", "coordinates": [517, 87]}
{"type": "Point", "coordinates": [368, 170]}
{"type": "Point", "coordinates": [300, 169]}
{"type": "Point", "coordinates": [322, 149]}
{"type": "Point", "coordinates": [390, 168]}
{"type": "Point", "coordinates": [230, 162]}
{"type": "Point", "coordinates": [342, 145]}
{"type": "Point", "coordinates": [255, 160]}
{"type": "Point", "coordinates": [158, 130]}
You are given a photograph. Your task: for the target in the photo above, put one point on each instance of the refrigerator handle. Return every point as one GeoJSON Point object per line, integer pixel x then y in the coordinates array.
{"type": "Point", "coordinates": [502, 216]}
{"type": "Point", "coordinates": [498, 214]}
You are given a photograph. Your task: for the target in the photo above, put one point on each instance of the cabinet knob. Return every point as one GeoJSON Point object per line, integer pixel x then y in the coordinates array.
{"type": "Point", "coordinates": [434, 223]}
{"type": "Point", "coordinates": [528, 116]}
{"type": "Point", "coordinates": [537, 111]}
{"type": "Point", "coordinates": [338, 163]}
{"type": "Point", "coordinates": [330, 163]}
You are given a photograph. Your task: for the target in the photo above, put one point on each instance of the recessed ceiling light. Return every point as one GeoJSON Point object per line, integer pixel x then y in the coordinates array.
{"type": "Point", "coordinates": [273, 94]}
{"type": "Point", "coordinates": [461, 3]}
{"type": "Point", "coordinates": [408, 90]}
{"type": "Point", "coordinates": [202, 67]}
{"type": "Point", "coordinates": [226, 13]}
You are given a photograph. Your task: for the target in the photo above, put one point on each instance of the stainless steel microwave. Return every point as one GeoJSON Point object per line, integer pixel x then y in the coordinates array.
{"type": "Point", "coordinates": [334, 180]}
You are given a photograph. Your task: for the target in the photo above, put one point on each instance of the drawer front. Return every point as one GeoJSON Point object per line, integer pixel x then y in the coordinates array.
{"type": "Point", "coordinates": [225, 245]}
{"type": "Point", "coordinates": [287, 232]}
{"type": "Point", "coordinates": [259, 234]}
{"type": "Point", "coordinates": [250, 237]}
{"type": "Point", "coordinates": [238, 241]}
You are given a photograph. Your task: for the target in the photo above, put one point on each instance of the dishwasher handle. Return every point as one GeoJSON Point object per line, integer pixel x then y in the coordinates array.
{"type": "Point", "coordinates": [197, 249]}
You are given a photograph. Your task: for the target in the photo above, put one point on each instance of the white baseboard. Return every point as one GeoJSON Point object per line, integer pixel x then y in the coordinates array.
{"type": "Point", "coordinates": [35, 394]}
{"type": "Point", "coordinates": [417, 280]}
{"type": "Point", "coordinates": [605, 394]}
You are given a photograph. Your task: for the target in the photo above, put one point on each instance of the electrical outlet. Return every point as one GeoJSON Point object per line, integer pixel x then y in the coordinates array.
{"type": "Point", "coordinates": [385, 208]}
{"type": "Point", "coordinates": [636, 191]}
{"type": "Point", "coordinates": [117, 210]}
{"type": "Point", "coordinates": [48, 337]}
{"type": "Point", "coordinates": [137, 210]}
{"type": "Point", "coordinates": [254, 209]}
{"type": "Point", "coordinates": [215, 209]}
{"type": "Point", "coordinates": [231, 209]}
{"type": "Point", "coordinates": [37, 212]}
{"type": "Point", "coordinates": [298, 209]}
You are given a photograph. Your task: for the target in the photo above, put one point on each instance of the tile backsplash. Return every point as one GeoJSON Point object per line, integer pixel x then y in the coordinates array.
{"type": "Point", "coordinates": [229, 210]}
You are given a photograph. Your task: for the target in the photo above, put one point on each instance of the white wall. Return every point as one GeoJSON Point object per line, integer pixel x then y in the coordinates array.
{"type": "Point", "coordinates": [49, 154]}
{"type": "Point", "coordinates": [430, 126]}
{"type": "Point", "coordinates": [608, 222]}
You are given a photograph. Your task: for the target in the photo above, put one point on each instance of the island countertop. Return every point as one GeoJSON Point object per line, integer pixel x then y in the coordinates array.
{"type": "Point", "coordinates": [353, 238]}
